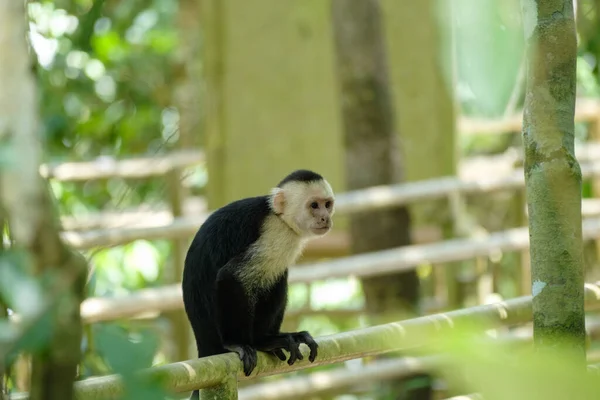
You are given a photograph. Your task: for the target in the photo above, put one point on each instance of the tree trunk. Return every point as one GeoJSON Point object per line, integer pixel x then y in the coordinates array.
{"type": "Point", "coordinates": [553, 177]}
{"type": "Point", "coordinates": [372, 154]}
{"type": "Point", "coordinates": [26, 200]}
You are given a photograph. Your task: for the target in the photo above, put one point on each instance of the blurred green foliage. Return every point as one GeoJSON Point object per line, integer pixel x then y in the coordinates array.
{"type": "Point", "coordinates": [105, 75]}
{"type": "Point", "coordinates": [497, 370]}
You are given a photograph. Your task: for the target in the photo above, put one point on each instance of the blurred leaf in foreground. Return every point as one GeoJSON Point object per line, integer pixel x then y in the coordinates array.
{"type": "Point", "coordinates": [498, 371]}
{"type": "Point", "coordinates": [127, 353]}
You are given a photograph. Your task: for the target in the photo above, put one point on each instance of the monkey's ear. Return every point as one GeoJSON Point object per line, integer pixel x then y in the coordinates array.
{"type": "Point", "coordinates": [278, 196]}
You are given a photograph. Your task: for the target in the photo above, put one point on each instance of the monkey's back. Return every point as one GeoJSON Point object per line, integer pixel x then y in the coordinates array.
{"type": "Point", "coordinates": [226, 233]}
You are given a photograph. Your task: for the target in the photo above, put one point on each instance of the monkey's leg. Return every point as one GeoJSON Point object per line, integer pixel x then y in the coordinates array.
{"type": "Point", "coordinates": [234, 316]}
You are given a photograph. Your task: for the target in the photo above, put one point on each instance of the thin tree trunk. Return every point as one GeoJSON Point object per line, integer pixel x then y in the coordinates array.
{"type": "Point", "coordinates": [372, 153]}
{"type": "Point", "coordinates": [553, 177]}
{"type": "Point", "coordinates": [30, 213]}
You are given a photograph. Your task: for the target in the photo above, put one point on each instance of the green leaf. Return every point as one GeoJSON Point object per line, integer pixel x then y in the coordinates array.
{"type": "Point", "coordinates": [125, 352]}
{"type": "Point", "coordinates": [34, 339]}
{"type": "Point", "coordinates": [19, 291]}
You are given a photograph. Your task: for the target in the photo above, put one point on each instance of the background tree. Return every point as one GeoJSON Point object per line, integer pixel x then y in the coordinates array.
{"type": "Point", "coordinates": [54, 298]}
{"type": "Point", "coordinates": [553, 176]}
{"type": "Point", "coordinates": [372, 152]}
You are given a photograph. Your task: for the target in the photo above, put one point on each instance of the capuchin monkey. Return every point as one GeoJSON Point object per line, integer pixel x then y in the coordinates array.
{"type": "Point", "coordinates": [236, 269]}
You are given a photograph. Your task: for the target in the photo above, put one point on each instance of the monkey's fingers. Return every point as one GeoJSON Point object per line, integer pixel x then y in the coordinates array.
{"type": "Point", "coordinates": [293, 347]}
{"type": "Point", "coordinates": [279, 354]}
{"type": "Point", "coordinates": [294, 354]}
{"type": "Point", "coordinates": [306, 338]}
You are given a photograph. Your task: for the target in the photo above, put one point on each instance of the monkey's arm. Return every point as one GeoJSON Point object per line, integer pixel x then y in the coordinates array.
{"type": "Point", "coordinates": [270, 313]}
{"type": "Point", "coordinates": [234, 317]}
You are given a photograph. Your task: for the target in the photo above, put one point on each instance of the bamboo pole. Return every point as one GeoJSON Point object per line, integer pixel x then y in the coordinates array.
{"type": "Point", "coordinates": [134, 168]}
{"type": "Point", "coordinates": [407, 257]}
{"type": "Point", "coordinates": [179, 321]}
{"type": "Point", "coordinates": [586, 110]}
{"type": "Point", "coordinates": [477, 168]}
{"type": "Point", "coordinates": [349, 202]}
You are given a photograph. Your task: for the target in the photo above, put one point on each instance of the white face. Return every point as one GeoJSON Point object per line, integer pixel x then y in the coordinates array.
{"type": "Point", "coordinates": [307, 208]}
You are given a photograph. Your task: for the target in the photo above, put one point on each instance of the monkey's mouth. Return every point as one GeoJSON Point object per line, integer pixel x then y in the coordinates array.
{"type": "Point", "coordinates": [319, 230]}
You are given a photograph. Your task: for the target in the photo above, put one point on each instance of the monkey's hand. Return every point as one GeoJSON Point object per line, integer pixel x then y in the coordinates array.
{"type": "Point", "coordinates": [275, 344]}
{"type": "Point", "coordinates": [247, 355]}
{"type": "Point", "coordinates": [291, 343]}
{"type": "Point", "coordinates": [278, 353]}
{"type": "Point", "coordinates": [307, 339]}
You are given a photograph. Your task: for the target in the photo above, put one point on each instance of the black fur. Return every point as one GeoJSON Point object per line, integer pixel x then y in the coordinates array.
{"type": "Point", "coordinates": [301, 175]}
{"type": "Point", "coordinates": [215, 301]}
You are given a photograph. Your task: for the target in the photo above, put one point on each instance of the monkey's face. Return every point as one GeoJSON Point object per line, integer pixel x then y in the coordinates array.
{"type": "Point", "coordinates": [319, 213]}
{"type": "Point", "coordinates": [307, 208]}
{"type": "Point", "coordinates": [315, 208]}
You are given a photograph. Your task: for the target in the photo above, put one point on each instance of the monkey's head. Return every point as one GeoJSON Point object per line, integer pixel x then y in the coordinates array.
{"type": "Point", "coordinates": [305, 201]}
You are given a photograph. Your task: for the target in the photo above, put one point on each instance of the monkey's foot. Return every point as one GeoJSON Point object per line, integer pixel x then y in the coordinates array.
{"type": "Point", "coordinates": [247, 355]}
{"type": "Point", "coordinates": [307, 339]}
{"type": "Point", "coordinates": [289, 342]}
{"type": "Point", "coordinates": [275, 344]}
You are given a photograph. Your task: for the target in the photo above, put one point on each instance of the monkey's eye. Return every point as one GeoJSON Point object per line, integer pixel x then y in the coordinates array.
{"type": "Point", "coordinates": [314, 205]}
{"type": "Point", "coordinates": [328, 204]}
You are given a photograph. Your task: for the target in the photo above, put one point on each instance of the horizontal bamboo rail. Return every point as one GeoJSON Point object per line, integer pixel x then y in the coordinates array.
{"type": "Point", "coordinates": [218, 370]}
{"type": "Point", "coordinates": [374, 198]}
{"type": "Point", "coordinates": [471, 396]}
{"type": "Point", "coordinates": [346, 203]}
{"type": "Point", "coordinates": [472, 168]}
{"type": "Point", "coordinates": [404, 258]}
{"type": "Point", "coordinates": [134, 168]}
{"type": "Point", "coordinates": [408, 257]}
{"type": "Point", "coordinates": [586, 110]}
{"type": "Point", "coordinates": [146, 214]}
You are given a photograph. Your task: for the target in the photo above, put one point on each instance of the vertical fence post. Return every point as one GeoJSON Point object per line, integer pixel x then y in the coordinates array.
{"type": "Point", "coordinates": [181, 330]}
{"type": "Point", "coordinates": [522, 275]}
{"type": "Point", "coordinates": [452, 271]}
{"type": "Point", "coordinates": [594, 136]}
